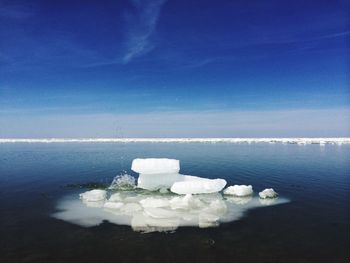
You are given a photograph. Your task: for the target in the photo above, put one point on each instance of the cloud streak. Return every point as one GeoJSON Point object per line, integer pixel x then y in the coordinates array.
{"type": "Point", "coordinates": [141, 25]}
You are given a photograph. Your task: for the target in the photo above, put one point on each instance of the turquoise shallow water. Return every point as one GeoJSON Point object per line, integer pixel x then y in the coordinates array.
{"type": "Point", "coordinates": [313, 227]}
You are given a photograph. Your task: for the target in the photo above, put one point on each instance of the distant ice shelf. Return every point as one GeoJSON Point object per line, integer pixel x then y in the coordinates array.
{"type": "Point", "coordinates": [300, 141]}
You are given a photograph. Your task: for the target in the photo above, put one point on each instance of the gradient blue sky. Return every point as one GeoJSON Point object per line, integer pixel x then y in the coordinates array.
{"type": "Point", "coordinates": [174, 68]}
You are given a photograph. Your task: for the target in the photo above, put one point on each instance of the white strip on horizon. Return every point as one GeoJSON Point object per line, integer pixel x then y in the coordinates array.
{"type": "Point", "coordinates": [343, 140]}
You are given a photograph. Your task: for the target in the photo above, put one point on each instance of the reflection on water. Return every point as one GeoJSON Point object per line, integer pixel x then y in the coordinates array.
{"type": "Point", "coordinates": [147, 211]}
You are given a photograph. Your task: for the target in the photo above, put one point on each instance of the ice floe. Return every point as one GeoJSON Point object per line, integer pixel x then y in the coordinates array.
{"type": "Point", "coordinates": [152, 211]}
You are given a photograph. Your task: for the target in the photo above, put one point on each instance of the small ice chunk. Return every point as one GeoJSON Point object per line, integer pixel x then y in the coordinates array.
{"type": "Point", "coordinates": [154, 182]}
{"type": "Point", "coordinates": [113, 205]}
{"type": "Point", "coordinates": [155, 166]}
{"type": "Point", "coordinates": [197, 185]}
{"type": "Point", "coordinates": [268, 193]}
{"type": "Point", "coordinates": [239, 190]}
{"type": "Point", "coordinates": [93, 195]}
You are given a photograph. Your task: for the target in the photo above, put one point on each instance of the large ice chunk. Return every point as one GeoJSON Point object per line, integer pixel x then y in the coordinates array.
{"type": "Point", "coordinates": [239, 190]}
{"type": "Point", "coordinates": [197, 185]}
{"type": "Point", "coordinates": [154, 182]}
{"type": "Point", "coordinates": [155, 166]}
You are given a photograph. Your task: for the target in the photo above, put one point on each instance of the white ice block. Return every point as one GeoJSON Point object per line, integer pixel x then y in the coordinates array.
{"type": "Point", "coordinates": [268, 193]}
{"type": "Point", "coordinates": [154, 182]}
{"type": "Point", "coordinates": [197, 185]}
{"type": "Point", "coordinates": [239, 190]}
{"type": "Point", "coordinates": [155, 166]}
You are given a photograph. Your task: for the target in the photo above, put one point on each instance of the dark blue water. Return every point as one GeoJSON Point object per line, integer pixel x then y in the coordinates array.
{"type": "Point", "coordinates": [313, 227]}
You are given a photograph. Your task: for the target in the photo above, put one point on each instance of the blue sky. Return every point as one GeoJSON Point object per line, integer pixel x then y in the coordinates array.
{"type": "Point", "coordinates": [166, 68]}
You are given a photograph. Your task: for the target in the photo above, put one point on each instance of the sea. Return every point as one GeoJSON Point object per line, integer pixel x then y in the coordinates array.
{"type": "Point", "coordinates": [312, 224]}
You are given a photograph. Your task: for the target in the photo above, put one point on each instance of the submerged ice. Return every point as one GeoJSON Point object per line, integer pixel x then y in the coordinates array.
{"type": "Point", "coordinates": [191, 201]}
{"type": "Point", "coordinates": [93, 195]}
{"type": "Point", "coordinates": [148, 211]}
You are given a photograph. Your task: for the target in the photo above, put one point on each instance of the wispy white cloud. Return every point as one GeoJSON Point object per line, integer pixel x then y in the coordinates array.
{"type": "Point", "coordinates": [334, 35]}
{"type": "Point", "coordinates": [141, 25]}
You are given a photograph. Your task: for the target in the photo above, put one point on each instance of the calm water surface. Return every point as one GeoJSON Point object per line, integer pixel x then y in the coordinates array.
{"type": "Point", "coordinates": [313, 227]}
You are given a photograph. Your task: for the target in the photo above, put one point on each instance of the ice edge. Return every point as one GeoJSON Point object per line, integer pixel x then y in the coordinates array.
{"type": "Point", "coordinates": [343, 140]}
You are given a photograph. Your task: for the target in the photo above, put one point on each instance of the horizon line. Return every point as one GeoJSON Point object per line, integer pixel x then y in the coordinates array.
{"type": "Point", "coordinates": [289, 140]}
